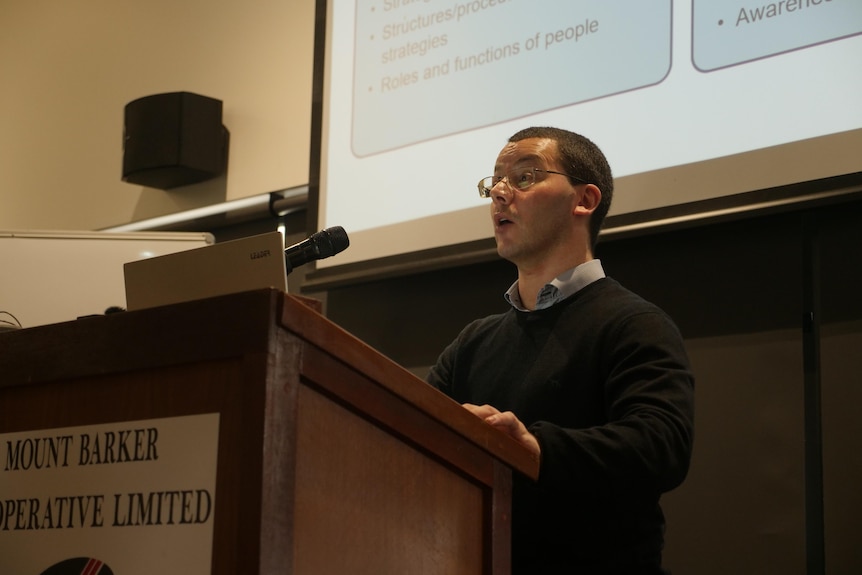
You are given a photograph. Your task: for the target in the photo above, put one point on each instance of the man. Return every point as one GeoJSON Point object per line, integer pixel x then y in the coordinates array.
{"type": "Point", "coordinates": [588, 376]}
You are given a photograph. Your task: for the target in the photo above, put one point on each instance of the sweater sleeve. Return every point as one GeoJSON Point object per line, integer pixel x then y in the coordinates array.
{"type": "Point", "coordinates": [646, 442]}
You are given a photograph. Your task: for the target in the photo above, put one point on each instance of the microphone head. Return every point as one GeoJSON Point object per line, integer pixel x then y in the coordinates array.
{"type": "Point", "coordinates": [330, 241]}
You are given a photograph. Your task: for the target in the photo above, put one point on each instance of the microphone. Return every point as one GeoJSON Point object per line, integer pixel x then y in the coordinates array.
{"type": "Point", "coordinates": [323, 244]}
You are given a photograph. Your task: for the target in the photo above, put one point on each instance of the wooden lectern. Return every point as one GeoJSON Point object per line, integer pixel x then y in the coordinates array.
{"type": "Point", "coordinates": [331, 458]}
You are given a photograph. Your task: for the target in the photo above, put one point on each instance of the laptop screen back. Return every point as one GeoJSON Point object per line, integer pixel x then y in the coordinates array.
{"type": "Point", "coordinates": [255, 262]}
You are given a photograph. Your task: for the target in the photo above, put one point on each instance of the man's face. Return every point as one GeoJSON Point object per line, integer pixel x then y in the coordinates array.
{"type": "Point", "coordinates": [534, 224]}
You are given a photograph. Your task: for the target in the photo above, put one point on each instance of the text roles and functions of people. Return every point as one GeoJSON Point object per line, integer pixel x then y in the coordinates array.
{"type": "Point", "coordinates": [484, 56]}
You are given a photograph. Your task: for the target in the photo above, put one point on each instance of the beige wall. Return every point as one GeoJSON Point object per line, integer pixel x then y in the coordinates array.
{"type": "Point", "coordinates": [67, 70]}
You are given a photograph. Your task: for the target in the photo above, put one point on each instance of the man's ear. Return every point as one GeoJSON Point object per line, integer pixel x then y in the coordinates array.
{"type": "Point", "coordinates": [588, 200]}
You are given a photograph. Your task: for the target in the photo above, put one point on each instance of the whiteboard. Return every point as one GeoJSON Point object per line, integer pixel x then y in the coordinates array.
{"type": "Point", "coordinates": [55, 276]}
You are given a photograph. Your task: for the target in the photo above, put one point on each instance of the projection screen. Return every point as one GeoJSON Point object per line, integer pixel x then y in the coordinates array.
{"type": "Point", "coordinates": [694, 103]}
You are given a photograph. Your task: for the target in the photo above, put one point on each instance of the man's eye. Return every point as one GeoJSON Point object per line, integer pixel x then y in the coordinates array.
{"type": "Point", "coordinates": [523, 177]}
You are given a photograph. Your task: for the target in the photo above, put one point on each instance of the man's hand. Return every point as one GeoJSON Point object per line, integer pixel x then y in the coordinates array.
{"type": "Point", "coordinates": [506, 422]}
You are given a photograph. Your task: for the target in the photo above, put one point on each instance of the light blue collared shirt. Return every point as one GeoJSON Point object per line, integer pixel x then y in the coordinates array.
{"type": "Point", "coordinates": [561, 287]}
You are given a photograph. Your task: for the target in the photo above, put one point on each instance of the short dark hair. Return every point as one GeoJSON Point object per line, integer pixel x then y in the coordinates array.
{"type": "Point", "coordinates": [580, 157]}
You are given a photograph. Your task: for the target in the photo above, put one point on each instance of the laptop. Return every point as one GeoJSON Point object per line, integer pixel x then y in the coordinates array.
{"type": "Point", "coordinates": [255, 262]}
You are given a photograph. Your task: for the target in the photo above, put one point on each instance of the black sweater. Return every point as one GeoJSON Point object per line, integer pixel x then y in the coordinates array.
{"type": "Point", "coordinates": [603, 381]}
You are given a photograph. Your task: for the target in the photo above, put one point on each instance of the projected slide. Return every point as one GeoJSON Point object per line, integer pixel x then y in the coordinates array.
{"type": "Point", "coordinates": [726, 33]}
{"type": "Point", "coordinates": [691, 100]}
{"type": "Point", "coordinates": [483, 60]}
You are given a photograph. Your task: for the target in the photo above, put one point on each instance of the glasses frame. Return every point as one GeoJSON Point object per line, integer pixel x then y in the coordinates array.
{"type": "Point", "coordinates": [485, 192]}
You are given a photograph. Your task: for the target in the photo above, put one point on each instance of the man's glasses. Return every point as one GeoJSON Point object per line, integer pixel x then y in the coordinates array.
{"type": "Point", "coordinates": [519, 178]}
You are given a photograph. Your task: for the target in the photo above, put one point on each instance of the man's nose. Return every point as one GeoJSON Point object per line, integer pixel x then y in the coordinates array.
{"type": "Point", "coordinates": [501, 192]}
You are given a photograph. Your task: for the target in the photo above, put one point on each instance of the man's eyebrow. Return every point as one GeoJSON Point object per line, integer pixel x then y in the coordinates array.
{"type": "Point", "coordinates": [528, 158]}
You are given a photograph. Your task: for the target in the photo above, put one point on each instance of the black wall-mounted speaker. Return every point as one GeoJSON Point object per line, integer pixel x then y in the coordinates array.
{"type": "Point", "coordinates": [173, 139]}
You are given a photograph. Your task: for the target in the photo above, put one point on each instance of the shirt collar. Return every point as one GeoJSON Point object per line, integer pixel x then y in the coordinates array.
{"type": "Point", "coordinates": [561, 287]}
